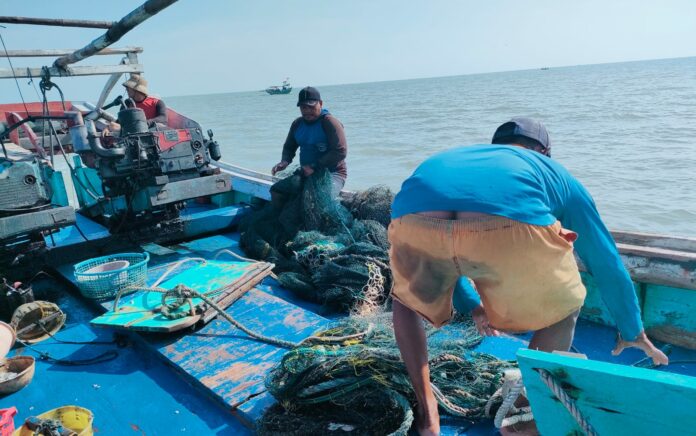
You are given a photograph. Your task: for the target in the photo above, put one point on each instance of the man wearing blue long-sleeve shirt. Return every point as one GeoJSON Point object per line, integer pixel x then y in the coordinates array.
{"type": "Point", "coordinates": [506, 216]}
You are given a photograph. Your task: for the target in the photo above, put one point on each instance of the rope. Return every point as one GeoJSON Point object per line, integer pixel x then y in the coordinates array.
{"type": "Point", "coordinates": [183, 294]}
{"type": "Point", "coordinates": [567, 402]}
{"type": "Point", "coordinates": [106, 356]}
{"type": "Point", "coordinates": [508, 403]}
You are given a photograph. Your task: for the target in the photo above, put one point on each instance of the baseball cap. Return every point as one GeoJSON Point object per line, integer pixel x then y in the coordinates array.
{"type": "Point", "coordinates": [308, 95]}
{"type": "Point", "coordinates": [522, 126]}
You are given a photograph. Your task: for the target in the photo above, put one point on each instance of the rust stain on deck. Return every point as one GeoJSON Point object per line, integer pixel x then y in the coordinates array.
{"type": "Point", "coordinates": [297, 319]}
{"type": "Point", "coordinates": [248, 374]}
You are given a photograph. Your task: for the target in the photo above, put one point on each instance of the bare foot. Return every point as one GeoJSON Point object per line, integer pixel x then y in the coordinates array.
{"type": "Point", "coordinates": [427, 423]}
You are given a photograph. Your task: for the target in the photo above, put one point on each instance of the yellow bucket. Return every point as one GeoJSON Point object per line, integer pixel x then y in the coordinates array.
{"type": "Point", "coordinates": [77, 419]}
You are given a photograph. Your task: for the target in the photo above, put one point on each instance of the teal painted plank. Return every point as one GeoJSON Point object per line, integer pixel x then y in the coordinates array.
{"type": "Point", "coordinates": [594, 308]}
{"type": "Point", "coordinates": [136, 310]}
{"type": "Point", "coordinates": [670, 315]}
{"type": "Point", "coordinates": [615, 399]}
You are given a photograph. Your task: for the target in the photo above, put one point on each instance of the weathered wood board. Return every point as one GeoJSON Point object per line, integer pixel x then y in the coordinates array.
{"type": "Point", "coordinates": [614, 399]}
{"type": "Point", "coordinates": [669, 315]}
{"type": "Point", "coordinates": [232, 365]}
{"type": "Point", "coordinates": [137, 311]}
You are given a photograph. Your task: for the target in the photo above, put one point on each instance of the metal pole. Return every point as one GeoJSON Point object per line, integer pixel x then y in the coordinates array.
{"type": "Point", "coordinates": [58, 22]}
{"type": "Point", "coordinates": [127, 23]}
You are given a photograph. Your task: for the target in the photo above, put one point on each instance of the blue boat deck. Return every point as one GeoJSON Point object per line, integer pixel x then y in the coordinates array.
{"type": "Point", "coordinates": [211, 381]}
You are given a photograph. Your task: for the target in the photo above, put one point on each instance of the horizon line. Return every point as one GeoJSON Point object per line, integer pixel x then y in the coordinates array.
{"type": "Point", "coordinates": [445, 76]}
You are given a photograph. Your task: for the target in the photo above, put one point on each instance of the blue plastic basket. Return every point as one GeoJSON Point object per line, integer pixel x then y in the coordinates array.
{"type": "Point", "coordinates": [106, 284]}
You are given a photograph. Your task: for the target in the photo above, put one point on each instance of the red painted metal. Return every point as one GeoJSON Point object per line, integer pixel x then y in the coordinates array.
{"type": "Point", "coordinates": [35, 108]}
{"type": "Point", "coordinates": [14, 117]}
{"type": "Point", "coordinates": [164, 144]}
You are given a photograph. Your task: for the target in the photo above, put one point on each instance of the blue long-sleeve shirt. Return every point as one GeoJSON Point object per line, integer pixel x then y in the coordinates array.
{"type": "Point", "coordinates": [529, 187]}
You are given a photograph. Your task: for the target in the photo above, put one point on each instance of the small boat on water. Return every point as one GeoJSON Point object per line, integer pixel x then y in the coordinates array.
{"type": "Point", "coordinates": [285, 88]}
{"type": "Point", "coordinates": [167, 198]}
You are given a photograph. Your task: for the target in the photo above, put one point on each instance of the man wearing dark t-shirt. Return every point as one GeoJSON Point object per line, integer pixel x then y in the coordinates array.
{"type": "Point", "coordinates": [320, 138]}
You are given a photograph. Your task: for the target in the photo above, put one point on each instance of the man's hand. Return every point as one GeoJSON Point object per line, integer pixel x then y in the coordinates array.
{"type": "Point", "coordinates": [642, 342]}
{"type": "Point", "coordinates": [280, 166]}
{"type": "Point", "coordinates": [481, 320]}
{"type": "Point", "coordinates": [307, 170]}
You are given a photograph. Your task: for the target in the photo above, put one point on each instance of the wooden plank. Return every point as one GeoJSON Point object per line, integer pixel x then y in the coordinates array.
{"type": "Point", "coordinates": [61, 22]}
{"type": "Point", "coordinates": [231, 364]}
{"type": "Point", "coordinates": [614, 399]}
{"type": "Point", "coordinates": [594, 309]}
{"type": "Point", "coordinates": [64, 51]}
{"type": "Point", "coordinates": [23, 73]}
{"type": "Point", "coordinates": [670, 315]}
{"type": "Point", "coordinates": [655, 240]}
{"type": "Point", "coordinates": [657, 266]}
{"type": "Point", "coordinates": [137, 311]}
{"type": "Point", "coordinates": [253, 182]}
{"type": "Point", "coordinates": [115, 32]}
{"type": "Point", "coordinates": [656, 253]}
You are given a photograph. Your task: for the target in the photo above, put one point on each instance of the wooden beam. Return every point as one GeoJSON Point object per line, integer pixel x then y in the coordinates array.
{"type": "Point", "coordinates": [101, 70]}
{"type": "Point", "coordinates": [655, 240]}
{"type": "Point", "coordinates": [58, 22]}
{"type": "Point", "coordinates": [66, 51]}
{"type": "Point", "coordinates": [657, 266]}
{"type": "Point", "coordinates": [124, 25]}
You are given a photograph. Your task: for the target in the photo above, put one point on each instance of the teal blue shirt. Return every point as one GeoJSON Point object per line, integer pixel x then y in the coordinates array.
{"type": "Point", "coordinates": [529, 187]}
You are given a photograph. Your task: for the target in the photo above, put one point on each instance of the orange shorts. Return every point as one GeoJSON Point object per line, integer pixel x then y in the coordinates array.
{"type": "Point", "coordinates": [526, 275]}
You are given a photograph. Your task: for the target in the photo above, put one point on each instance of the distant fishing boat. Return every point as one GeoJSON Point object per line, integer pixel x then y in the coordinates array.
{"type": "Point", "coordinates": [285, 88]}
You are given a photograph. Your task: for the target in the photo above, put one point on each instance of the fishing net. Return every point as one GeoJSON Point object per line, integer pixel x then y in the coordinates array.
{"type": "Point", "coordinates": [356, 382]}
{"type": "Point", "coordinates": [326, 252]}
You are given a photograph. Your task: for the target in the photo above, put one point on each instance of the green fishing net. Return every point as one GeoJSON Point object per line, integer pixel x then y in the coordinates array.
{"type": "Point", "coordinates": [326, 251]}
{"type": "Point", "coordinates": [355, 381]}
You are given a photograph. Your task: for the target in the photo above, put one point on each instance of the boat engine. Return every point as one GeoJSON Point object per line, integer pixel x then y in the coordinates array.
{"type": "Point", "coordinates": [26, 211]}
{"type": "Point", "coordinates": [147, 175]}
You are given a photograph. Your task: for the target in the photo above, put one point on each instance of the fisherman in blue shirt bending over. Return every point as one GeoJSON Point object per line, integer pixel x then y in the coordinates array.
{"type": "Point", "coordinates": [506, 216]}
{"type": "Point", "coordinates": [320, 138]}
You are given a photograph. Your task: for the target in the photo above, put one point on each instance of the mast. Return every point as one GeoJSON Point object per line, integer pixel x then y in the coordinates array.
{"type": "Point", "coordinates": [115, 32]}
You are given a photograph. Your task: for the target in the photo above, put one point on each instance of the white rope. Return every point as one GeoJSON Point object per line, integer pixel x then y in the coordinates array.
{"type": "Point", "coordinates": [508, 403]}
{"type": "Point", "coordinates": [235, 255]}
{"type": "Point", "coordinates": [567, 402]}
{"type": "Point", "coordinates": [175, 266]}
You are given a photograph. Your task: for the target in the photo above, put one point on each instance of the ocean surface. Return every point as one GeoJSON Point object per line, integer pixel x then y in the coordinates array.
{"type": "Point", "coordinates": [627, 131]}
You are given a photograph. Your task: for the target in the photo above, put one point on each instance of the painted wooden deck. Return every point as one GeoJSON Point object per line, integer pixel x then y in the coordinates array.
{"type": "Point", "coordinates": [211, 381]}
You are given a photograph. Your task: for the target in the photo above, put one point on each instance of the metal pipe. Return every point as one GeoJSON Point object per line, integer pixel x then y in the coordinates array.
{"type": "Point", "coordinates": [58, 22]}
{"type": "Point", "coordinates": [123, 26]}
{"type": "Point", "coordinates": [97, 148]}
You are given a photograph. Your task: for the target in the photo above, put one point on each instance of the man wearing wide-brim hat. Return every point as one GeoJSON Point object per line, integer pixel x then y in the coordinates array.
{"type": "Point", "coordinates": [154, 108]}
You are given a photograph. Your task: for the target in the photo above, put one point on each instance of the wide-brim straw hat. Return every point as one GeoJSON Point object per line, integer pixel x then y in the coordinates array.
{"type": "Point", "coordinates": [137, 83]}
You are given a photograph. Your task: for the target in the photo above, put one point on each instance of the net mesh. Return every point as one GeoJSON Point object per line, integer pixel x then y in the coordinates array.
{"type": "Point", "coordinates": [360, 385]}
{"type": "Point", "coordinates": [326, 251]}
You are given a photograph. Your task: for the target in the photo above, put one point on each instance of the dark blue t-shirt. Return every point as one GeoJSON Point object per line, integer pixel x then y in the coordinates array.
{"type": "Point", "coordinates": [529, 187]}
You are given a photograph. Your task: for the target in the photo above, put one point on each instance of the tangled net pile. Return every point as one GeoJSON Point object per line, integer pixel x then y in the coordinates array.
{"type": "Point", "coordinates": [360, 385]}
{"type": "Point", "coordinates": [325, 251]}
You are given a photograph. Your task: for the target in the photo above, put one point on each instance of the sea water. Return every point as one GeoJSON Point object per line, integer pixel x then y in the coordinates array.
{"type": "Point", "coordinates": [627, 131]}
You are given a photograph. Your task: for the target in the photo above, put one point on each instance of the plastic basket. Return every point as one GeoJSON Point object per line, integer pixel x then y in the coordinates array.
{"type": "Point", "coordinates": [97, 279]}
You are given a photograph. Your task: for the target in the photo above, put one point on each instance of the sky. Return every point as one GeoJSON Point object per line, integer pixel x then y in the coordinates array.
{"type": "Point", "coordinates": [214, 46]}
